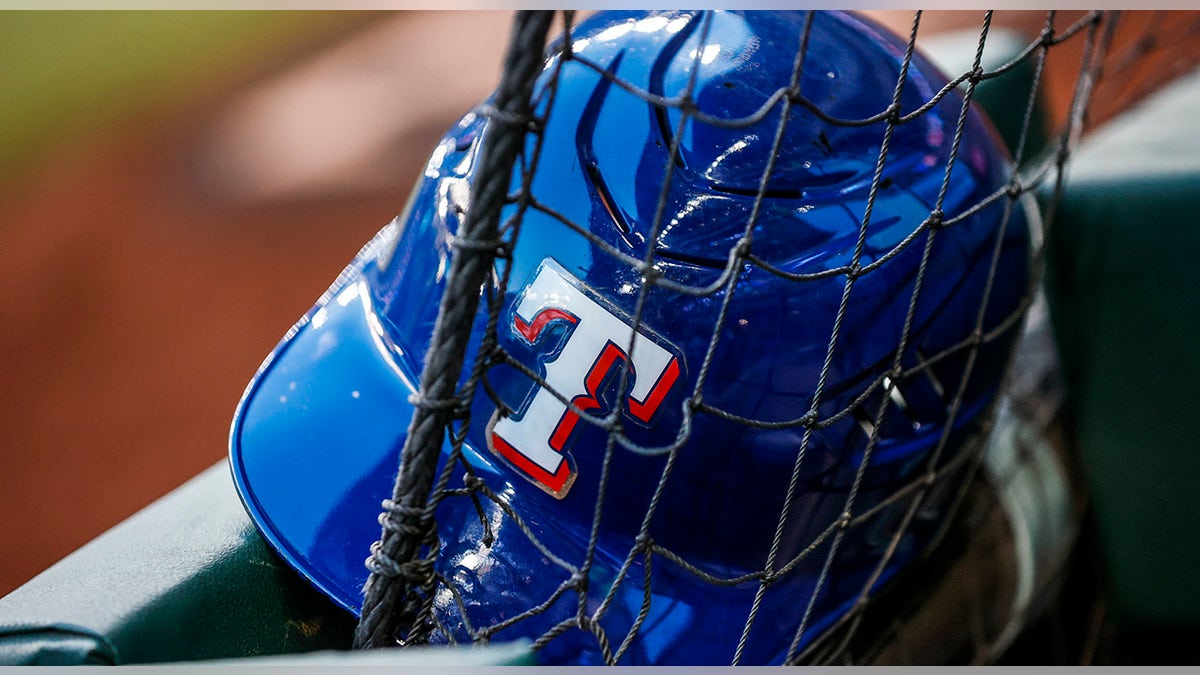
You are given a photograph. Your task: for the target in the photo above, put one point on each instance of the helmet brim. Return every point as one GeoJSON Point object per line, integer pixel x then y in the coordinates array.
{"type": "Point", "coordinates": [309, 456]}
{"type": "Point", "coordinates": [315, 448]}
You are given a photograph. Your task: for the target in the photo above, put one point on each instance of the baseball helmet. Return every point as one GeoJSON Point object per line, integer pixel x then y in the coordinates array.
{"type": "Point", "coordinates": [750, 455]}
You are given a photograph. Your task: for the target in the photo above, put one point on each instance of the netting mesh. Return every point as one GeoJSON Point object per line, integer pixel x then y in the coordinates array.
{"type": "Point", "coordinates": [407, 578]}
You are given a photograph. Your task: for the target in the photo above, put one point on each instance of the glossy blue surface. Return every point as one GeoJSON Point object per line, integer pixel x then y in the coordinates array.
{"type": "Point", "coordinates": [316, 440]}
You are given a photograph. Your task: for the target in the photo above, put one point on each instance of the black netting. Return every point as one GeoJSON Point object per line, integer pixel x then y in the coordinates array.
{"type": "Point", "coordinates": [407, 581]}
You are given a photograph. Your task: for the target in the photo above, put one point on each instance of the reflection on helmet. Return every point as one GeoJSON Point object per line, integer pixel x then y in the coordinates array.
{"type": "Point", "coordinates": [575, 314]}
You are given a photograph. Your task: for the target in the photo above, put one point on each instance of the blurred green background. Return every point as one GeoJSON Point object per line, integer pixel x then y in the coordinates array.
{"type": "Point", "coordinates": [65, 74]}
{"type": "Point", "coordinates": [136, 299]}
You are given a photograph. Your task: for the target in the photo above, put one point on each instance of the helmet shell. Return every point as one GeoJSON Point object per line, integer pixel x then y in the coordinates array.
{"type": "Point", "coordinates": [317, 437]}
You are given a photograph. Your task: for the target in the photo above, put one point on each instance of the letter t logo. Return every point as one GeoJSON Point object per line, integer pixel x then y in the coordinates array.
{"type": "Point", "coordinates": [535, 440]}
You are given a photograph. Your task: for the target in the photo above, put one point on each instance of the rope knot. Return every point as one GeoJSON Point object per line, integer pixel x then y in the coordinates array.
{"type": "Point", "coordinates": [505, 117]}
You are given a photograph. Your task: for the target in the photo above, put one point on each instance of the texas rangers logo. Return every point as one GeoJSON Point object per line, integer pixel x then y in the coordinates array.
{"type": "Point", "coordinates": [583, 364]}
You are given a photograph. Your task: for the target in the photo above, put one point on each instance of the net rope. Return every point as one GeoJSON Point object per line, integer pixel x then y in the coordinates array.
{"type": "Point", "coordinates": [404, 574]}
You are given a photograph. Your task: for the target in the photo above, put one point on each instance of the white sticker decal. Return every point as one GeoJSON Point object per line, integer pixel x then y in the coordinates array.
{"type": "Point", "coordinates": [535, 440]}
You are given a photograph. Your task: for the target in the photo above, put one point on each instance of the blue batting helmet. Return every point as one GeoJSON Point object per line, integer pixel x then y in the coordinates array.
{"type": "Point", "coordinates": [730, 475]}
